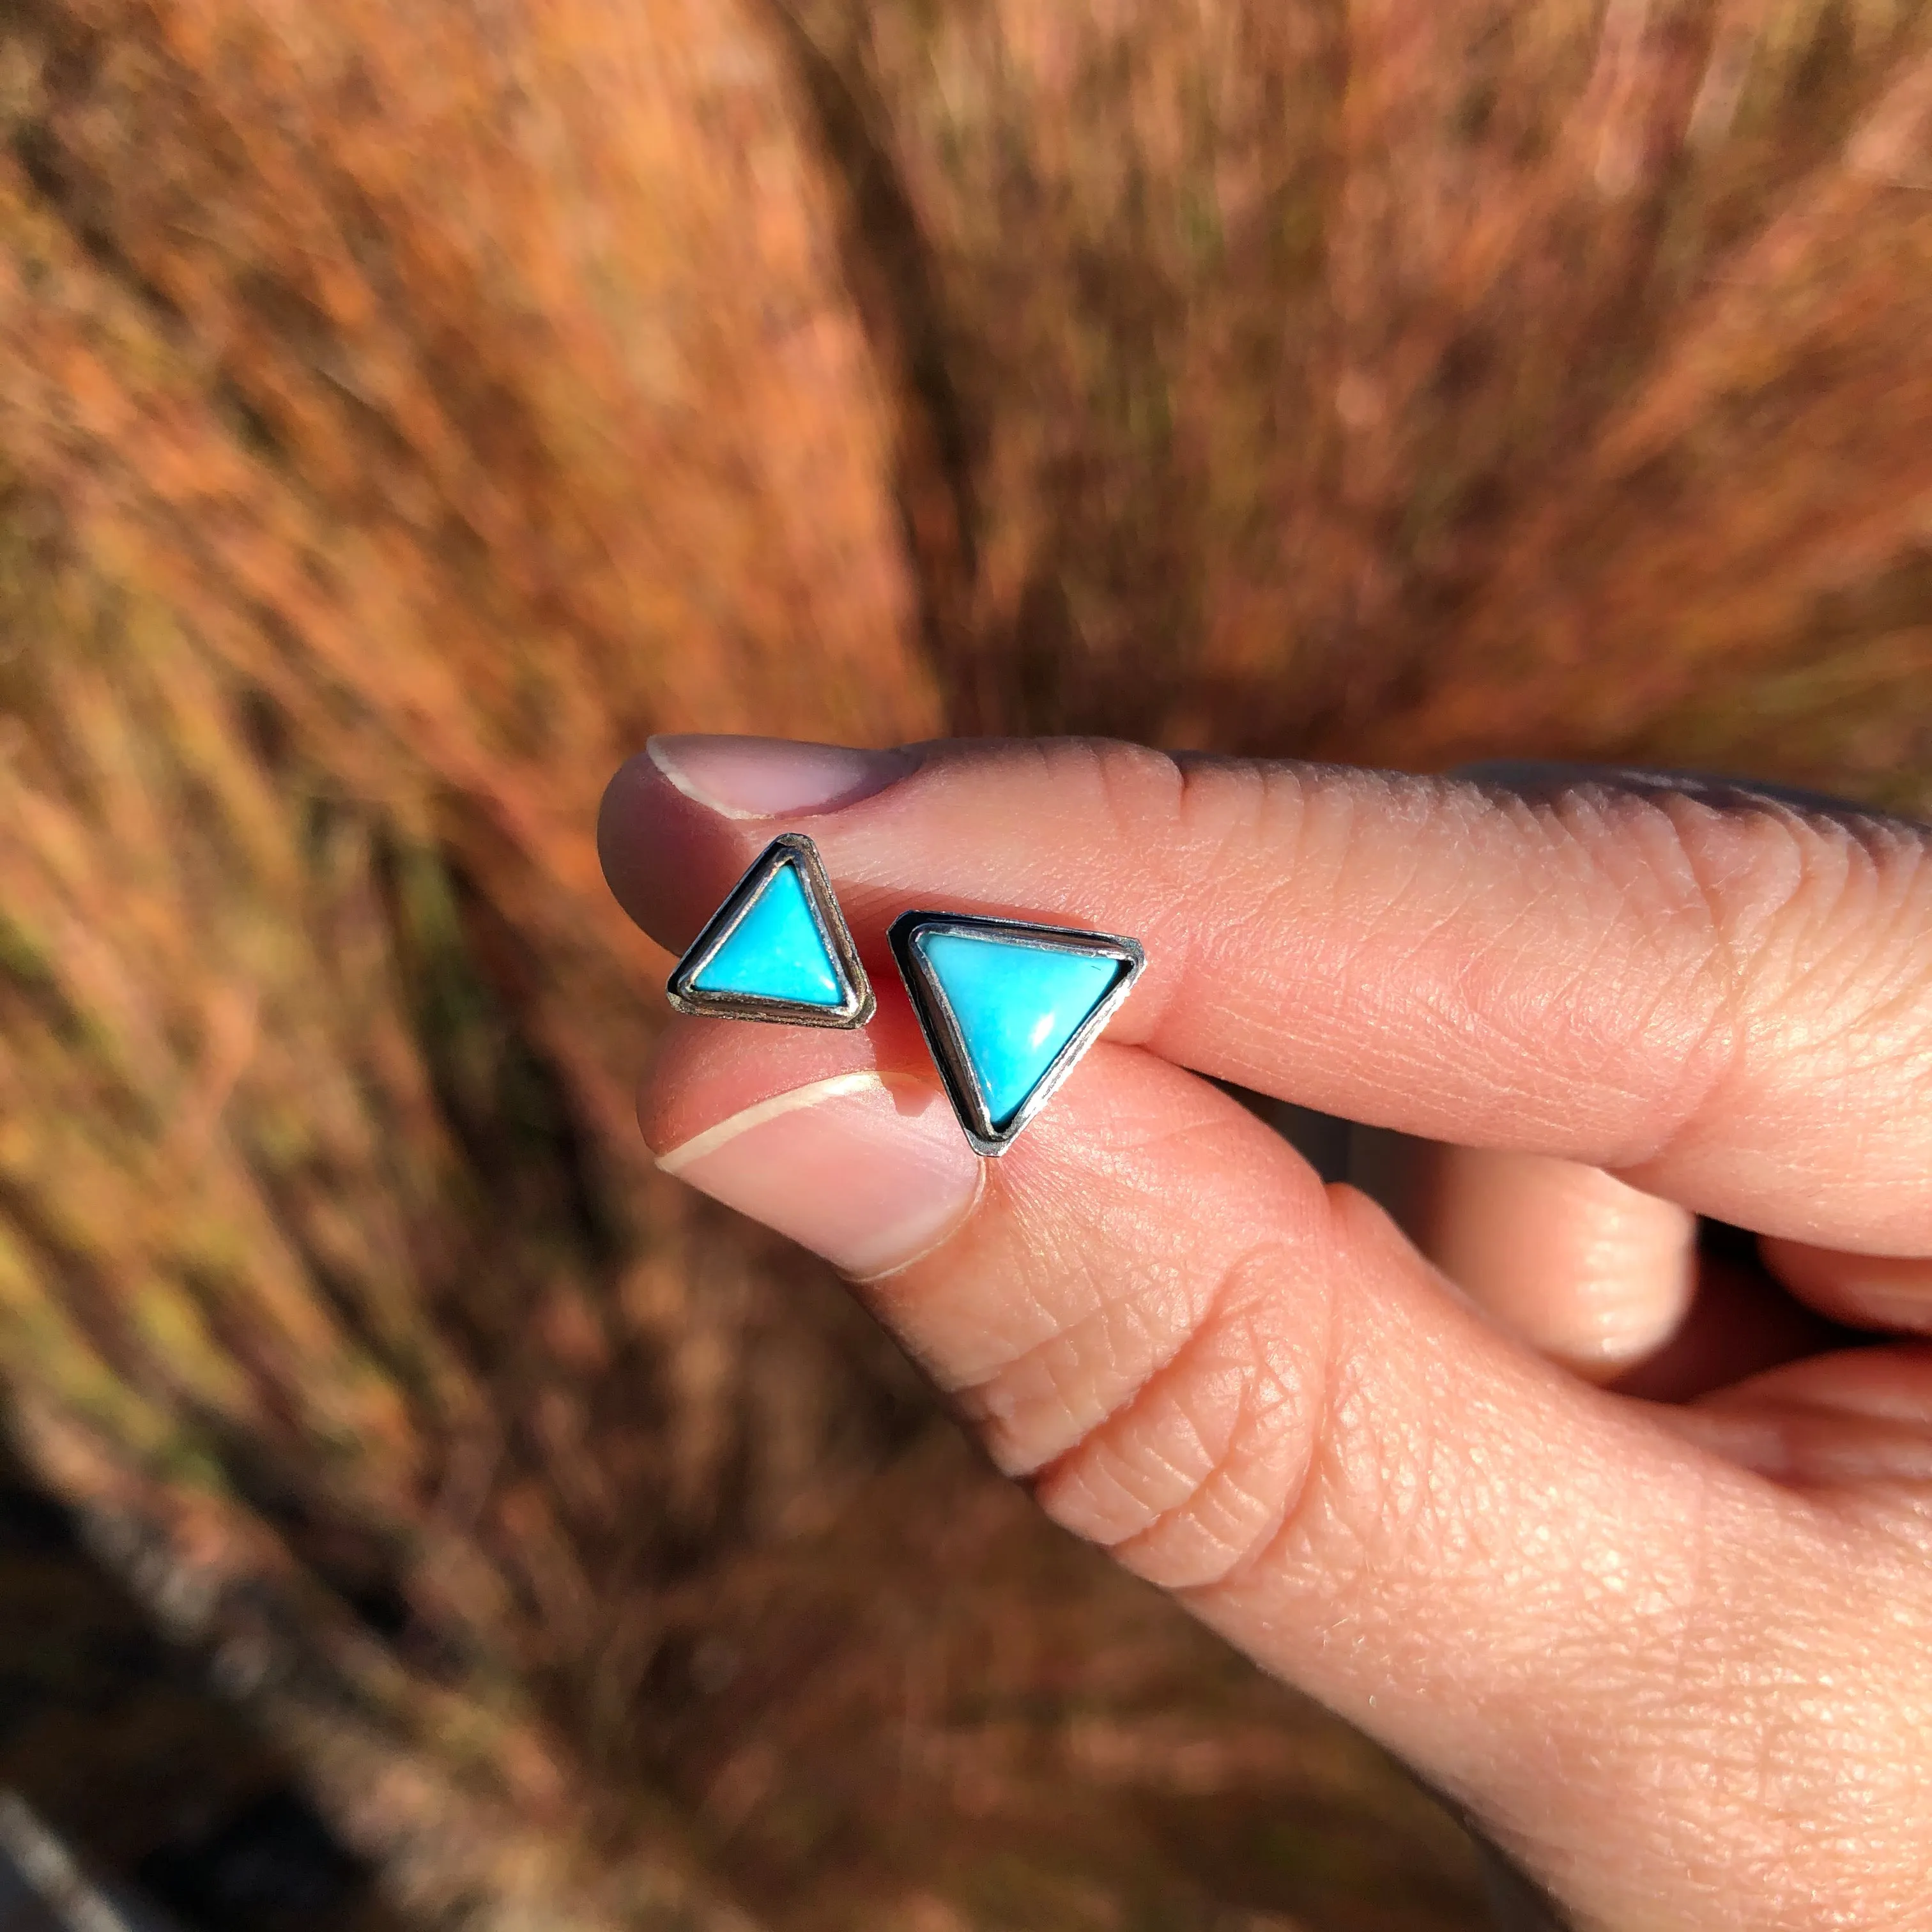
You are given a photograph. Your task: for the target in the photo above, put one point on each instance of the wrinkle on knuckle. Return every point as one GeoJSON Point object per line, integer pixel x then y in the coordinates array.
{"type": "Point", "coordinates": [1284, 848]}
{"type": "Point", "coordinates": [1030, 1403]}
{"type": "Point", "coordinates": [1787, 859]}
{"type": "Point", "coordinates": [1138, 791]}
{"type": "Point", "coordinates": [1720, 898]}
{"type": "Point", "coordinates": [1860, 991]}
{"type": "Point", "coordinates": [1230, 833]}
{"type": "Point", "coordinates": [1669, 945]}
{"type": "Point", "coordinates": [1197, 1467]}
{"type": "Point", "coordinates": [1122, 1283]}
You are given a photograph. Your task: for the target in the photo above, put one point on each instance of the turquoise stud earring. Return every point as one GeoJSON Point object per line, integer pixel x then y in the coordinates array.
{"type": "Point", "coordinates": [777, 948]}
{"type": "Point", "coordinates": [1008, 1008]}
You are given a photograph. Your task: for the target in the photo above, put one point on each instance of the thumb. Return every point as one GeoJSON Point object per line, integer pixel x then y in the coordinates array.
{"type": "Point", "coordinates": [1253, 1391]}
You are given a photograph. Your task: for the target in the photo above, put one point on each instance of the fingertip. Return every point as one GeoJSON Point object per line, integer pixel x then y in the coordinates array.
{"type": "Point", "coordinates": [618, 811]}
{"type": "Point", "coordinates": [666, 858]}
{"type": "Point", "coordinates": [1586, 1269]}
{"type": "Point", "coordinates": [1881, 1292]}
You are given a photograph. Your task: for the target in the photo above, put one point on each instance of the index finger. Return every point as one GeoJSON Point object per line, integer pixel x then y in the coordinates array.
{"type": "Point", "coordinates": [1724, 998]}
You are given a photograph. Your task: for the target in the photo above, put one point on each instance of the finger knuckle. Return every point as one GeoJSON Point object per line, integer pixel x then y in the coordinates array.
{"type": "Point", "coordinates": [1202, 1468]}
{"type": "Point", "coordinates": [1802, 943]}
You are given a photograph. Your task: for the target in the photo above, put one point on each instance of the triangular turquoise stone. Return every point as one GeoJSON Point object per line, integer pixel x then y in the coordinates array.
{"type": "Point", "coordinates": [1017, 1006]}
{"type": "Point", "coordinates": [777, 951]}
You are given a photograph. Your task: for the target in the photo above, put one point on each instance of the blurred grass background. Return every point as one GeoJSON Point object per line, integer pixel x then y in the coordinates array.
{"type": "Point", "coordinates": [403, 411]}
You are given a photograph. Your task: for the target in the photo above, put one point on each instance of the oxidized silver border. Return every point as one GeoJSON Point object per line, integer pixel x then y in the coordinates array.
{"type": "Point", "coordinates": [788, 848]}
{"type": "Point", "coordinates": [937, 1022]}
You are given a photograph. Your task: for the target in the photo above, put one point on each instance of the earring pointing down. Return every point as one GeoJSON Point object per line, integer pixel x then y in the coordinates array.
{"type": "Point", "coordinates": [1008, 1008]}
{"type": "Point", "coordinates": [777, 948]}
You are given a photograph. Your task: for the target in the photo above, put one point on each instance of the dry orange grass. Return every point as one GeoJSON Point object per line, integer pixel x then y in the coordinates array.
{"type": "Point", "coordinates": [405, 410]}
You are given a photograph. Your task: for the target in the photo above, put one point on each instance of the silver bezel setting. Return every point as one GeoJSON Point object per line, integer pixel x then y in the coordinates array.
{"type": "Point", "coordinates": [789, 848]}
{"type": "Point", "coordinates": [940, 1026]}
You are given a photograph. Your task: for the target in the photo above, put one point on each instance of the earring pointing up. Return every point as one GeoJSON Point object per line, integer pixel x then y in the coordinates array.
{"type": "Point", "coordinates": [777, 948]}
{"type": "Point", "coordinates": [1008, 1008]}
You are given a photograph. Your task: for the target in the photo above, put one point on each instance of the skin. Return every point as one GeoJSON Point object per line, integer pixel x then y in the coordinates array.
{"type": "Point", "coordinates": [1626, 1547]}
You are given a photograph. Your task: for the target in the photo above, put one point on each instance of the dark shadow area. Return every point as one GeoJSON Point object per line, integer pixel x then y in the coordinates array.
{"type": "Point", "coordinates": [117, 1756]}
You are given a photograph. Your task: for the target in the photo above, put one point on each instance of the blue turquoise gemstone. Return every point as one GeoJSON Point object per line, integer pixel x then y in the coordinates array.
{"type": "Point", "coordinates": [1017, 1006]}
{"type": "Point", "coordinates": [777, 951]}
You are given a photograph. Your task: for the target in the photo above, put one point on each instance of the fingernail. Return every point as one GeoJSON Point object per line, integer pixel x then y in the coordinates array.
{"type": "Point", "coordinates": [868, 1171]}
{"type": "Point", "coordinates": [770, 777]}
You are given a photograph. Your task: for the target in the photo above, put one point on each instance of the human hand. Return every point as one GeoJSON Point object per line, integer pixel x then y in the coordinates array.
{"type": "Point", "coordinates": [1674, 1655]}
